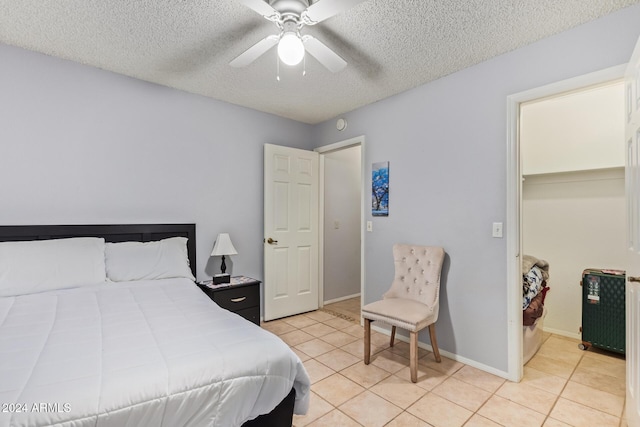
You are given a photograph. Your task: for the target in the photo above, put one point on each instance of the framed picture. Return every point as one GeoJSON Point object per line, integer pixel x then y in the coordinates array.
{"type": "Point", "coordinates": [380, 189]}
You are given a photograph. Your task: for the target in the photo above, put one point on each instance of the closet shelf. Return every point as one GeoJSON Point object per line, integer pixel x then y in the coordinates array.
{"type": "Point", "coordinates": [578, 175]}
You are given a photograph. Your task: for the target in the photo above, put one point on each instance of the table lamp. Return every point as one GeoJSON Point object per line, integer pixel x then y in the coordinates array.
{"type": "Point", "coordinates": [222, 247]}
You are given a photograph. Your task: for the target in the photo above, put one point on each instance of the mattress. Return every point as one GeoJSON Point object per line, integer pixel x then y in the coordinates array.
{"type": "Point", "coordinates": [147, 353]}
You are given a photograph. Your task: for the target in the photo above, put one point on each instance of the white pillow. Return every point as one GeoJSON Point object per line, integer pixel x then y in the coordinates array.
{"type": "Point", "coordinates": [163, 259]}
{"type": "Point", "coordinates": [43, 265]}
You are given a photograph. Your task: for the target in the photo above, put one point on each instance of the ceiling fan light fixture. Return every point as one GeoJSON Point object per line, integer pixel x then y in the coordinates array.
{"type": "Point", "coordinates": [290, 48]}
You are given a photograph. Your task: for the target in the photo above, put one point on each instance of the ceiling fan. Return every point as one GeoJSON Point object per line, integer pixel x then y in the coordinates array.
{"type": "Point", "coordinates": [290, 16]}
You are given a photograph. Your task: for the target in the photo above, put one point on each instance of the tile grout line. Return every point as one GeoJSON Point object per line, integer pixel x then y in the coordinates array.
{"type": "Point", "coordinates": [573, 371]}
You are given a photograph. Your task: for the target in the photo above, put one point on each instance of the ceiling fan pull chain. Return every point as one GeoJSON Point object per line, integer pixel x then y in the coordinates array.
{"type": "Point", "coordinates": [277, 68]}
{"type": "Point", "coordinates": [304, 65]}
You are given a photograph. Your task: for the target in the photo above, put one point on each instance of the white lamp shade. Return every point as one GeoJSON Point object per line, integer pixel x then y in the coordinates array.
{"type": "Point", "coordinates": [223, 246]}
{"type": "Point", "coordinates": [290, 49]}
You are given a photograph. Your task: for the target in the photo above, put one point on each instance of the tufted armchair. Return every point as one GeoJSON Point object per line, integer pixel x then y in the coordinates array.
{"type": "Point", "coordinates": [412, 301]}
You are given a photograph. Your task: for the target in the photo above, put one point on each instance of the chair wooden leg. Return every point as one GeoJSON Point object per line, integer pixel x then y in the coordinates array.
{"type": "Point", "coordinates": [434, 342]}
{"type": "Point", "coordinates": [367, 341]}
{"type": "Point", "coordinates": [413, 356]}
{"type": "Point", "coordinates": [393, 335]}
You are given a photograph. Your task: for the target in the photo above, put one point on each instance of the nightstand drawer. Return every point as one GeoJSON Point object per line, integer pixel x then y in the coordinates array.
{"type": "Point", "coordinates": [242, 297]}
{"type": "Point", "coordinates": [234, 299]}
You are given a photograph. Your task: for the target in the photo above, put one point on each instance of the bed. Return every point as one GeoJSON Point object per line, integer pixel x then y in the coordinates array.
{"type": "Point", "coordinates": [535, 274]}
{"type": "Point", "coordinates": [155, 351]}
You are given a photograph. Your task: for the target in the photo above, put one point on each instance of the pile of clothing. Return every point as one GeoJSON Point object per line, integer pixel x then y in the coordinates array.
{"type": "Point", "coordinates": [535, 273]}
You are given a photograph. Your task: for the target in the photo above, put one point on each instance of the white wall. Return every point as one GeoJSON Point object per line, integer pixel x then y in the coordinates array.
{"type": "Point", "coordinates": [82, 145]}
{"type": "Point", "coordinates": [575, 131]}
{"type": "Point", "coordinates": [575, 221]}
{"type": "Point", "coordinates": [342, 187]}
{"type": "Point", "coordinates": [446, 142]}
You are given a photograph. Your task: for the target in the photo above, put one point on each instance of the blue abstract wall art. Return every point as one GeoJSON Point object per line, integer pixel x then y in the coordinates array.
{"type": "Point", "coordinates": [380, 189]}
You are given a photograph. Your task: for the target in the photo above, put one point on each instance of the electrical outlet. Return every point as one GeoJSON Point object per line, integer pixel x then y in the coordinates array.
{"type": "Point", "coordinates": [497, 229]}
{"type": "Point", "coordinates": [369, 226]}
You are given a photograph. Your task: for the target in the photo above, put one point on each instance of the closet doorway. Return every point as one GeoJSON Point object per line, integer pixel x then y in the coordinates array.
{"type": "Point", "coordinates": [341, 223]}
{"type": "Point", "coordinates": [519, 207]}
{"type": "Point", "coordinates": [573, 192]}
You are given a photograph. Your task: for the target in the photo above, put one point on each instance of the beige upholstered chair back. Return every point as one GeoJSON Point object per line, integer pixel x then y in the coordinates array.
{"type": "Point", "coordinates": [417, 274]}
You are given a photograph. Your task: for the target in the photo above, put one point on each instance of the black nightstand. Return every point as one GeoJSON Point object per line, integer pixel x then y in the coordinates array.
{"type": "Point", "coordinates": [242, 298]}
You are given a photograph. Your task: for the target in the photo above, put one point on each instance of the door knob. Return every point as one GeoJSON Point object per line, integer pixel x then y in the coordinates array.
{"type": "Point", "coordinates": [633, 279]}
{"type": "Point", "coordinates": [271, 241]}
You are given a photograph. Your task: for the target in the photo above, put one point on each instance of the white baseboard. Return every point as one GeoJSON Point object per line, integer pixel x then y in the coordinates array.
{"type": "Point", "coordinates": [331, 301]}
{"type": "Point", "coordinates": [457, 358]}
{"type": "Point", "coordinates": [563, 333]}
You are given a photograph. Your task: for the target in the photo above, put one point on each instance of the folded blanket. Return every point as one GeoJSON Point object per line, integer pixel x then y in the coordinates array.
{"type": "Point", "coordinates": [528, 262]}
{"type": "Point", "coordinates": [535, 273]}
{"type": "Point", "coordinates": [534, 310]}
{"type": "Point", "coordinates": [532, 284]}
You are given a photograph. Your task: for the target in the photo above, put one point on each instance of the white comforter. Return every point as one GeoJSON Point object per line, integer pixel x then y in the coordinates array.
{"type": "Point", "coordinates": [150, 353]}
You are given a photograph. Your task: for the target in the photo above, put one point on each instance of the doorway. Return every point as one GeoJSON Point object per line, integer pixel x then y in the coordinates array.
{"type": "Point", "coordinates": [515, 201]}
{"type": "Point", "coordinates": [341, 222]}
{"type": "Point", "coordinates": [295, 226]}
{"type": "Point", "coordinates": [573, 198]}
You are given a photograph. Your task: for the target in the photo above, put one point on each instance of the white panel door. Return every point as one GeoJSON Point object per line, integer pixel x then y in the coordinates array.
{"type": "Point", "coordinates": [290, 231]}
{"type": "Point", "coordinates": [632, 180]}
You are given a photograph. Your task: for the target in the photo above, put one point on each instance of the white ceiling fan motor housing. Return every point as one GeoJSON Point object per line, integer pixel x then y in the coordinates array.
{"type": "Point", "coordinates": [295, 7]}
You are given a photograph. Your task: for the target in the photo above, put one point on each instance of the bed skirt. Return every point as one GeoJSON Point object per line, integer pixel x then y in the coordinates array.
{"type": "Point", "coordinates": [281, 416]}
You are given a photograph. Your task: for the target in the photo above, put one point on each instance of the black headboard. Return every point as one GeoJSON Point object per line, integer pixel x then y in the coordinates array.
{"type": "Point", "coordinates": [111, 233]}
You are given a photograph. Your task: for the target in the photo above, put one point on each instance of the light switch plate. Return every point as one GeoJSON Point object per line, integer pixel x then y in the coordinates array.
{"type": "Point", "coordinates": [497, 229]}
{"type": "Point", "coordinates": [369, 226]}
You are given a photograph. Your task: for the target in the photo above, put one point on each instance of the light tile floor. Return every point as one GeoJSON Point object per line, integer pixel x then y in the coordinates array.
{"type": "Point", "coordinates": [562, 385]}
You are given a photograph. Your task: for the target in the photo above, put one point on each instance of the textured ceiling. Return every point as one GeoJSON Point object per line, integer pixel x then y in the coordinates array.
{"type": "Point", "coordinates": [390, 45]}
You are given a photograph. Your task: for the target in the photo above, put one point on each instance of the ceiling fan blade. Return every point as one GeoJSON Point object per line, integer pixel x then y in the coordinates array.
{"type": "Point", "coordinates": [262, 7]}
{"type": "Point", "coordinates": [324, 9]}
{"type": "Point", "coordinates": [323, 54]}
{"type": "Point", "coordinates": [255, 51]}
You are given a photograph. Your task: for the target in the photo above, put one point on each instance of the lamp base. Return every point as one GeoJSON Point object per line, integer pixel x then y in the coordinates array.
{"type": "Point", "coordinates": [221, 278]}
